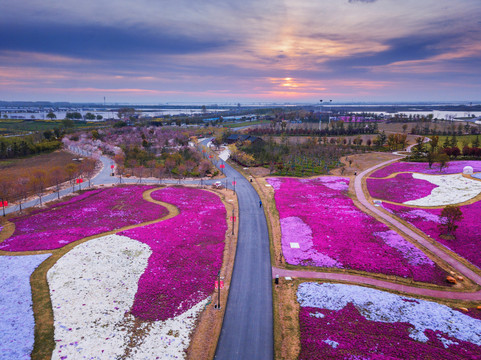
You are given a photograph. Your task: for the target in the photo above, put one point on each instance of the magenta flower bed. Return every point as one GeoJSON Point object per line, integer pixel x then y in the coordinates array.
{"type": "Point", "coordinates": [351, 322]}
{"type": "Point", "coordinates": [468, 234]}
{"type": "Point", "coordinates": [331, 231]}
{"type": "Point", "coordinates": [346, 334]}
{"type": "Point", "coordinates": [399, 189]}
{"type": "Point", "coordinates": [454, 167]}
{"type": "Point", "coordinates": [90, 213]}
{"type": "Point", "coordinates": [186, 255]}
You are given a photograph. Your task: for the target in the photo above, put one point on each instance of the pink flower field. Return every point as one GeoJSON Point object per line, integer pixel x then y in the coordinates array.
{"type": "Point", "coordinates": [453, 167]}
{"type": "Point", "coordinates": [468, 235]}
{"type": "Point", "coordinates": [399, 189]}
{"type": "Point", "coordinates": [322, 227]}
{"type": "Point", "coordinates": [187, 253]}
{"type": "Point", "coordinates": [90, 213]}
{"type": "Point", "coordinates": [350, 322]}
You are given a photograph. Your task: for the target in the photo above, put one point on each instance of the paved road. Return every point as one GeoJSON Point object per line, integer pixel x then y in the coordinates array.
{"type": "Point", "coordinates": [247, 331]}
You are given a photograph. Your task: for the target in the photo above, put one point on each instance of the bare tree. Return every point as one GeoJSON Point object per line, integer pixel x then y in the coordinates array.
{"type": "Point", "coordinates": [88, 170]}
{"type": "Point", "coordinates": [120, 172]}
{"type": "Point", "coordinates": [58, 174]}
{"type": "Point", "coordinates": [21, 189]}
{"type": "Point", "coordinates": [190, 165]}
{"type": "Point", "coordinates": [151, 166]}
{"type": "Point", "coordinates": [443, 160]}
{"type": "Point", "coordinates": [160, 172]}
{"type": "Point", "coordinates": [182, 170]}
{"type": "Point", "coordinates": [38, 182]}
{"type": "Point", "coordinates": [6, 187]}
{"type": "Point", "coordinates": [140, 173]}
{"type": "Point", "coordinates": [72, 171]}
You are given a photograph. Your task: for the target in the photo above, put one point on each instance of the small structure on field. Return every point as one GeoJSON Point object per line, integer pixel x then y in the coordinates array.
{"type": "Point", "coordinates": [468, 170]}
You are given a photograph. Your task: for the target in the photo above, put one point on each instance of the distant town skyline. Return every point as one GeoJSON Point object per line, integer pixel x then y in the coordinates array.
{"type": "Point", "coordinates": [250, 51]}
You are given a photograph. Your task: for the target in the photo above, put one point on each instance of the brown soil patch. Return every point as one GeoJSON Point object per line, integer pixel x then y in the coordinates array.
{"type": "Point", "coordinates": [361, 162]}
{"type": "Point", "coordinates": [287, 344]}
{"type": "Point", "coordinates": [266, 193]}
{"type": "Point", "coordinates": [7, 230]}
{"type": "Point", "coordinates": [16, 167]}
{"type": "Point", "coordinates": [257, 171]}
{"type": "Point", "coordinates": [13, 169]}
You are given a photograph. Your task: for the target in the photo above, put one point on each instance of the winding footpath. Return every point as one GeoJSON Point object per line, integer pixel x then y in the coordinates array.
{"type": "Point", "coordinates": [364, 280]}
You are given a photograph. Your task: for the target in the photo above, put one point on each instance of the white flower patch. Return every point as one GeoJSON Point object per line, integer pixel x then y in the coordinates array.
{"type": "Point", "coordinates": [92, 288]}
{"type": "Point", "coordinates": [452, 189]}
{"type": "Point", "coordinates": [376, 305]}
{"type": "Point", "coordinates": [410, 252]}
{"type": "Point", "coordinates": [421, 214]}
{"type": "Point", "coordinates": [16, 314]}
{"type": "Point", "coordinates": [167, 339]}
{"type": "Point", "coordinates": [331, 343]}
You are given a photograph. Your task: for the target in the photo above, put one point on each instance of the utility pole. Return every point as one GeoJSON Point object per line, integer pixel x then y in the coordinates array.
{"type": "Point", "coordinates": [218, 290]}
{"type": "Point", "coordinates": [5, 203]}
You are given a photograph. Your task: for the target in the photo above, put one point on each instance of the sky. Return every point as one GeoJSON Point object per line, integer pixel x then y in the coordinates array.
{"type": "Point", "coordinates": [160, 51]}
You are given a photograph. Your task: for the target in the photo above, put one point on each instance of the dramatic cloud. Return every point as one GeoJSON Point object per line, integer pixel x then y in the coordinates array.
{"type": "Point", "coordinates": [101, 41]}
{"type": "Point", "coordinates": [240, 51]}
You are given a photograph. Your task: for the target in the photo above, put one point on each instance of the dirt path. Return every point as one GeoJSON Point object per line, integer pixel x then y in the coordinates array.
{"type": "Point", "coordinates": [358, 279]}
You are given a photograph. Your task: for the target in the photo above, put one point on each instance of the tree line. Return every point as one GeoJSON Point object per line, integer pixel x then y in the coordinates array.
{"type": "Point", "coordinates": [337, 129]}
{"type": "Point", "coordinates": [434, 152]}
{"type": "Point", "coordinates": [20, 147]}
{"type": "Point", "coordinates": [35, 183]}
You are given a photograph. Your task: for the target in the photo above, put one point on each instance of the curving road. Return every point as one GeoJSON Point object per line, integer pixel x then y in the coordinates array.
{"type": "Point", "coordinates": [247, 330]}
